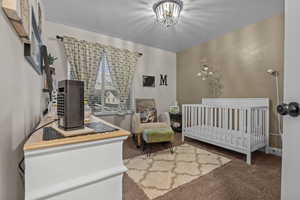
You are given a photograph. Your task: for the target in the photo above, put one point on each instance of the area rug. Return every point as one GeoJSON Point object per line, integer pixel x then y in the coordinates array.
{"type": "Point", "coordinates": [163, 171]}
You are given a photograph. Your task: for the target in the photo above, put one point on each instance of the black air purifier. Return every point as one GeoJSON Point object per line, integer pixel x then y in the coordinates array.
{"type": "Point", "coordinates": [70, 105]}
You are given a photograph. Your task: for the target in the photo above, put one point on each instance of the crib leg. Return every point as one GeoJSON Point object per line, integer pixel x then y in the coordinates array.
{"type": "Point", "coordinates": [249, 158]}
{"type": "Point", "coordinates": [266, 149]}
{"type": "Point", "coordinates": [182, 138]}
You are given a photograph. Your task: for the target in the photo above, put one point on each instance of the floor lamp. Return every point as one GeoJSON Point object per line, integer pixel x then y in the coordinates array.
{"type": "Point", "coordinates": [275, 74]}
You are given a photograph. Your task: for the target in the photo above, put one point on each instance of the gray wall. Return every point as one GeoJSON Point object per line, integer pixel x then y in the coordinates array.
{"type": "Point", "coordinates": [153, 62]}
{"type": "Point", "coordinates": [242, 58]}
{"type": "Point", "coordinates": [20, 108]}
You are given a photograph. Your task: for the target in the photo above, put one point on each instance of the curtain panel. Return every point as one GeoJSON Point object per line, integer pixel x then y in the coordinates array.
{"type": "Point", "coordinates": [84, 59]}
{"type": "Point", "coordinates": [122, 65]}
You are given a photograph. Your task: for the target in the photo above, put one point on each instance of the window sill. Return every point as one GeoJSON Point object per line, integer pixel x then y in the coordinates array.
{"type": "Point", "coordinates": [101, 114]}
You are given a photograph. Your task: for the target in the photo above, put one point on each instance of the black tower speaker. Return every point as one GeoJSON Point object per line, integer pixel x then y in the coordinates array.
{"type": "Point", "coordinates": [70, 104]}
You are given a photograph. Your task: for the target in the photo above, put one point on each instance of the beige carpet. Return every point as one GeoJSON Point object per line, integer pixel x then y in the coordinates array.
{"type": "Point", "coordinates": [163, 171]}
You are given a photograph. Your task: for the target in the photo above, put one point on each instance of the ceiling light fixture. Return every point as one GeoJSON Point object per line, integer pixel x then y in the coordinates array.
{"type": "Point", "coordinates": [168, 11]}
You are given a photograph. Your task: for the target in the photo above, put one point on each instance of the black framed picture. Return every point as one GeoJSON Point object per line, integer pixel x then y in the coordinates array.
{"type": "Point", "coordinates": [148, 81]}
{"type": "Point", "coordinates": [32, 50]}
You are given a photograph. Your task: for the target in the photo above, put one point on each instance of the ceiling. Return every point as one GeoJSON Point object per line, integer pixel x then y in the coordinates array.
{"type": "Point", "coordinates": [134, 20]}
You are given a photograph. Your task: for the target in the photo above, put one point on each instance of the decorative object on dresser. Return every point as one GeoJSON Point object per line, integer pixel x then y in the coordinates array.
{"type": "Point", "coordinates": [148, 81]}
{"type": "Point", "coordinates": [47, 61]}
{"type": "Point", "coordinates": [146, 118]}
{"type": "Point", "coordinates": [32, 49]}
{"type": "Point", "coordinates": [240, 125]}
{"type": "Point", "coordinates": [18, 12]}
{"type": "Point", "coordinates": [51, 59]}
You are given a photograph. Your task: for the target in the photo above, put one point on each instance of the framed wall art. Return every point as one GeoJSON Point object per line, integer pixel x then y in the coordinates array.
{"type": "Point", "coordinates": [40, 18]}
{"type": "Point", "coordinates": [148, 81]}
{"type": "Point", "coordinates": [32, 50]}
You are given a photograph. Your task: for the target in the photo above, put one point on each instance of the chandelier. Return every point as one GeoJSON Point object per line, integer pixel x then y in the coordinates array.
{"type": "Point", "coordinates": [168, 11]}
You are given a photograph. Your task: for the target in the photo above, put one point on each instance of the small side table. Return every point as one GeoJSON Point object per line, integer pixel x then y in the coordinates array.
{"type": "Point", "coordinates": [176, 121]}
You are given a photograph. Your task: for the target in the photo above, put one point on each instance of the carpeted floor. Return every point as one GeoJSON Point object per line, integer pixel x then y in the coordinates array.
{"type": "Point", "coordinates": [233, 181]}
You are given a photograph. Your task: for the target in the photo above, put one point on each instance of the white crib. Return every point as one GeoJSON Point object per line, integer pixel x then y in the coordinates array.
{"type": "Point", "coordinates": [240, 125]}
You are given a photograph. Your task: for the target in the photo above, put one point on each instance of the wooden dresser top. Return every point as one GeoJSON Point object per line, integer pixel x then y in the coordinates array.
{"type": "Point", "coordinates": [36, 140]}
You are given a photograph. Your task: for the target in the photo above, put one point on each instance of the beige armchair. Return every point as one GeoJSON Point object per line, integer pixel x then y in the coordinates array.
{"type": "Point", "coordinates": [138, 127]}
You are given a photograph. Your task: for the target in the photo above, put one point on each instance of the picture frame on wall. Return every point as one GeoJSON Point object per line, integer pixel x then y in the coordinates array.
{"type": "Point", "coordinates": [32, 49]}
{"type": "Point", "coordinates": [148, 81]}
{"type": "Point", "coordinates": [40, 17]}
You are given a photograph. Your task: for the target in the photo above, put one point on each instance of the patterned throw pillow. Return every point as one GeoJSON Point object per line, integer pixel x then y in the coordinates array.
{"type": "Point", "coordinates": [147, 110]}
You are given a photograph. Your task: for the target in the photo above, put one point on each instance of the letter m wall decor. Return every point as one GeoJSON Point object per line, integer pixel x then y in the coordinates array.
{"type": "Point", "coordinates": [164, 79]}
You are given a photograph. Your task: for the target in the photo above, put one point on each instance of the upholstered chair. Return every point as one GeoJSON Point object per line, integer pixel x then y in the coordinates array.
{"type": "Point", "coordinates": [138, 127]}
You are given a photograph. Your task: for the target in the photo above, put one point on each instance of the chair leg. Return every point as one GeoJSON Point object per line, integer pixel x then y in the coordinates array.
{"type": "Point", "coordinates": [143, 146]}
{"type": "Point", "coordinates": [139, 140]}
{"type": "Point", "coordinates": [133, 137]}
{"type": "Point", "coordinates": [147, 148]}
{"type": "Point", "coordinates": [149, 151]}
{"type": "Point", "coordinates": [171, 148]}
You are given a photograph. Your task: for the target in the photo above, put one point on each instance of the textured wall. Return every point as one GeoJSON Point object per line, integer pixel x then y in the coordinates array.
{"type": "Point", "coordinates": [242, 58]}
{"type": "Point", "coordinates": [20, 107]}
{"type": "Point", "coordinates": [153, 62]}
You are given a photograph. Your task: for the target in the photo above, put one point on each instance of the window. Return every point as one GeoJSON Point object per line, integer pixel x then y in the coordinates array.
{"type": "Point", "coordinates": [105, 100]}
{"type": "Point", "coordinates": [106, 95]}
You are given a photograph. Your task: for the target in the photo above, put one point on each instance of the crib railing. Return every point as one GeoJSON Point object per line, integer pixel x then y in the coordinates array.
{"type": "Point", "coordinates": [239, 128]}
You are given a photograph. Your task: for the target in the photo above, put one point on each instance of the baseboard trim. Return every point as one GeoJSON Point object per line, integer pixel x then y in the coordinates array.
{"type": "Point", "coordinates": [275, 151]}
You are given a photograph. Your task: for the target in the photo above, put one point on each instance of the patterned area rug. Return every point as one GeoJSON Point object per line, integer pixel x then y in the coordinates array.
{"type": "Point", "coordinates": [163, 171]}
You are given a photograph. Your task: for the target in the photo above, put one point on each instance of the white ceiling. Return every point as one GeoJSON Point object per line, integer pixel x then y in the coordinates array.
{"type": "Point", "coordinates": [134, 20]}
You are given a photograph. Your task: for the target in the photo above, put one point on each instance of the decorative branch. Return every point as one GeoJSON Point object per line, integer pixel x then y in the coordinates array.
{"type": "Point", "coordinates": [51, 59]}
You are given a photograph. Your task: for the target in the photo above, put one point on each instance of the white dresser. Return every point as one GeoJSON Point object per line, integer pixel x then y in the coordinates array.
{"type": "Point", "coordinates": [83, 167]}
